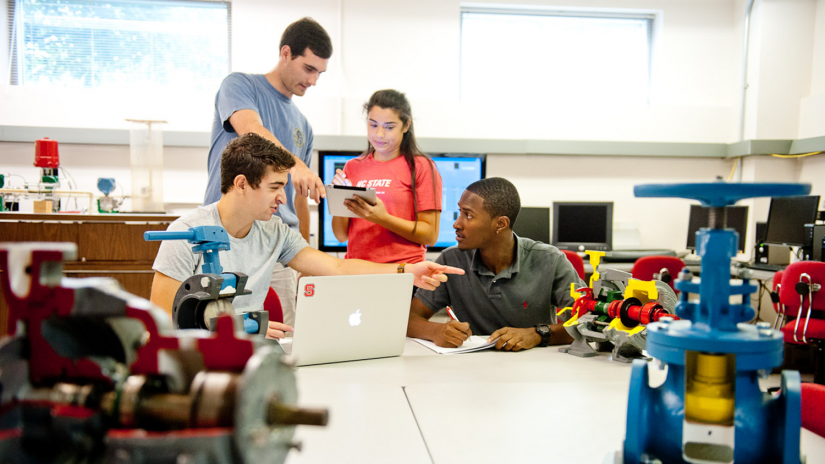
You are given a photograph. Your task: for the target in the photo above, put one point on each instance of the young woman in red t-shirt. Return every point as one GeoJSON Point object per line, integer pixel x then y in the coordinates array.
{"type": "Point", "coordinates": [406, 214]}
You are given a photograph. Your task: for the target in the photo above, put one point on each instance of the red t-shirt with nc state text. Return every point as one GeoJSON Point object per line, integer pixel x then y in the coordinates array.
{"type": "Point", "coordinates": [392, 182]}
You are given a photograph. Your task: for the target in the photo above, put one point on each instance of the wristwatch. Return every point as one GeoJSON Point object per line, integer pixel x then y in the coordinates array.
{"type": "Point", "coordinates": [544, 331]}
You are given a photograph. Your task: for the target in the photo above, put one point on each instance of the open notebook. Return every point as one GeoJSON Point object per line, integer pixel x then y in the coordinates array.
{"type": "Point", "coordinates": [474, 343]}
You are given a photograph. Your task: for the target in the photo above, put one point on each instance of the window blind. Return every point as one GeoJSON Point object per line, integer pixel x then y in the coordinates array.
{"type": "Point", "coordinates": [113, 43]}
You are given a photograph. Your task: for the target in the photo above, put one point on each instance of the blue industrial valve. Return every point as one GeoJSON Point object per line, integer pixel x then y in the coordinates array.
{"type": "Point", "coordinates": [710, 404]}
{"type": "Point", "coordinates": [106, 185]}
{"type": "Point", "coordinates": [197, 300]}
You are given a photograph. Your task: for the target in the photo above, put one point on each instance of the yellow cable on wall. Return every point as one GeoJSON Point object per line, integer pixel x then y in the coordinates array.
{"type": "Point", "coordinates": [801, 155]}
{"type": "Point", "coordinates": [733, 168]}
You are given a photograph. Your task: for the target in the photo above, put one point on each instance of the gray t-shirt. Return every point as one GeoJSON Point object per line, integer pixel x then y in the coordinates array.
{"type": "Point", "coordinates": [255, 255]}
{"type": "Point", "coordinates": [279, 116]}
{"type": "Point", "coordinates": [523, 295]}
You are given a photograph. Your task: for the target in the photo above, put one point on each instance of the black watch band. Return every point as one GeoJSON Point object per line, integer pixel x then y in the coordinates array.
{"type": "Point", "coordinates": [544, 331]}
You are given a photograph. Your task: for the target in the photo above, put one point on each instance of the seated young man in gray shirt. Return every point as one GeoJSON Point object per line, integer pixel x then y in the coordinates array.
{"type": "Point", "coordinates": [254, 172]}
{"type": "Point", "coordinates": [511, 286]}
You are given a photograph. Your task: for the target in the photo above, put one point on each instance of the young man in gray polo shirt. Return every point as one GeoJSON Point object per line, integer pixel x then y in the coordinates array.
{"type": "Point", "coordinates": [511, 286]}
{"type": "Point", "coordinates": [254, 172]}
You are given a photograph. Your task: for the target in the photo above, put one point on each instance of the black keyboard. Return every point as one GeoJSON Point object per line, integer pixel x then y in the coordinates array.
{"type": "Point", "coordinates": [764, 266]}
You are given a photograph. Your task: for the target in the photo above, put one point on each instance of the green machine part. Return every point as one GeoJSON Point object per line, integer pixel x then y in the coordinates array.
{"type": "Point", "coordinates": [2, 200]}
{"type": "Point", "coordinates": [601, 305]}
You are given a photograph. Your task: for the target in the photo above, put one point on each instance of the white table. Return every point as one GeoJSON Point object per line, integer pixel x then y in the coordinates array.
{"type": "Point", "coordinates": [368, 423]}
{"type": "Point", "coordinates": [521, 422]}
{"type": "Point", "coordinates": [471, 408]}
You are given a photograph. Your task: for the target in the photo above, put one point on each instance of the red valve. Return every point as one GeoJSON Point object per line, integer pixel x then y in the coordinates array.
{"type": "Point", "coordinates": [632, 312]}
{"type": "Point", "coordinates": [585, 303]}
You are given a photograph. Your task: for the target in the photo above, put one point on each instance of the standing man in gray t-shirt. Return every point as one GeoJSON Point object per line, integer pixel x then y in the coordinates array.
{"type": "Point", "coordinates": [511, 286]}
{"type": "Point", "coordinates": [262, 103]}
{"type": "Point", "coordinates": [253, 176]}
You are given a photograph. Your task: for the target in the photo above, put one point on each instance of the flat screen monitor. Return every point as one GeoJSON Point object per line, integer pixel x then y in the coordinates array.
{"type": "Point", "coordinates": [579, 226]}
{"type": "Point", "coordinates": [736, 218]}
{"type": "Point", "coordinates": [457, 172]}
{"type": "Point", "coordinates": [533, 223]}
{"type": "Point", "coordinates": [787, 218]}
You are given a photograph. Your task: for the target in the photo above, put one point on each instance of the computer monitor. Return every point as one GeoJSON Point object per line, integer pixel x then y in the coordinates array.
{"type": "Point", "coordinates": [787, 218]}
{"type": "Point", "coordinates": [457, 172]}
{"type": "Point", "coordinates": [533, 223]}
{"type": "Point", "coordinates": [736, 218]}
{"type": "Point", "coordinates": [580, 226]}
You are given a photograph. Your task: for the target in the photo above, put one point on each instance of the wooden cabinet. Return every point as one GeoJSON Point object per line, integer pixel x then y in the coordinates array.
{"type": "Point", "coordinates": [107, 245]}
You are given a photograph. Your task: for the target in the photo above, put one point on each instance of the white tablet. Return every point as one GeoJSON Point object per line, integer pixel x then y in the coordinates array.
{"type": "Point", "coordinates": [336, 194]}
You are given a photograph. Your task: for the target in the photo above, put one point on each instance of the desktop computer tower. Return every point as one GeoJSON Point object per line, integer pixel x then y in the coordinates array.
{"type": "Point", "coordinates": [766, 254]}
{"type": "Point", "coordinates": [812, 246]}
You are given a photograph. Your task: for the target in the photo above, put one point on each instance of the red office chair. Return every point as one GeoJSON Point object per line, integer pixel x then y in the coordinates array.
{"type": "Point", "coordinates": [664, 268]}
{"type": "Point", "coordinates": [781, 311]}
{"type": "Point", "coordinates": [576, 261]}
{"type": "Point", "coordinates": [801, 293]}
{"type": "Point", "coordinates": [272, 304]}
{"type": "Point", "coordinates": [813, 408]}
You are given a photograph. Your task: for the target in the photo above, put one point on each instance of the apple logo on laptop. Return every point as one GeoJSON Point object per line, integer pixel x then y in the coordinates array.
{"type": "Point", "coordinates": [355, 318]}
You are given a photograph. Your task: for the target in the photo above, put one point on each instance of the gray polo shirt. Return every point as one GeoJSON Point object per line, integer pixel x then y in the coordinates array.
{"type": "Point", "coordinates": [523, 295]}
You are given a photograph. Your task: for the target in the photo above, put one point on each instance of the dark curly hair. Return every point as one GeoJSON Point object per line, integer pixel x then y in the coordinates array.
{"type": "Point", "coordinates": [250, 155]}
{"type": "Point", "coordinates": [500, 197]}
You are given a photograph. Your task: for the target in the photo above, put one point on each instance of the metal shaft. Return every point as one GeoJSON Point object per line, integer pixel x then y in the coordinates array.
{"type": "Point", "coordinates": [284, 414]}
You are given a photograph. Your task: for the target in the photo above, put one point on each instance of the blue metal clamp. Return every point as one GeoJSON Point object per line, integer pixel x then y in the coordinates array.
{"type": "Point", "coordinates": [207, 240]}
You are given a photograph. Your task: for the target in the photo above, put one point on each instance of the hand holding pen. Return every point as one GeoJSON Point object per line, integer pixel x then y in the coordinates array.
{"type": "Point", "coordinates": [454, 333]}
{"type": "Point", "coordinates": [341, 178]}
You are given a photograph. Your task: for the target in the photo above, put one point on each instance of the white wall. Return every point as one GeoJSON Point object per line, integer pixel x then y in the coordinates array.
{"type": "Point", "coordinates": [812, 107]}
{"type": "Point", "coordinates": [784, 72]}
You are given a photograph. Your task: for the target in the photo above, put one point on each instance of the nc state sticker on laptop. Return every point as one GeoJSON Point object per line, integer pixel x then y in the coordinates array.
{"type": "Point", "coordinates": [309, 289]}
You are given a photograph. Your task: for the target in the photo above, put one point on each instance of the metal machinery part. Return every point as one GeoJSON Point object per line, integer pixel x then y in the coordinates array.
{"type": "Point", "coordinates": [90, 373]}
{"type": "Point", "coordinates": [202, 297]}
{"type": "Point", "coordinates": [615, 311]}
{"type": "Point", "coordinates": [710, 402]}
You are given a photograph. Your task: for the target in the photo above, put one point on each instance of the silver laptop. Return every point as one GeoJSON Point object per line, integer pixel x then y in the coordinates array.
{"type": "Point", "coordinates": [347, 318]}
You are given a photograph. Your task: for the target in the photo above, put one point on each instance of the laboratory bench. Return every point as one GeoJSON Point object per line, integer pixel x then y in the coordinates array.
{"type": "Point", "coordinates": [108, 245]}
